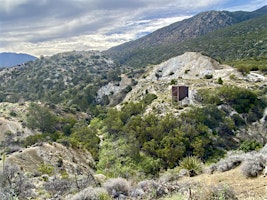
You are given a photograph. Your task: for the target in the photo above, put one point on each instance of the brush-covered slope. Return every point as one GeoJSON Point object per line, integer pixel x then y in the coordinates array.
{"type": "Point", "coordinates": [71, 78]}
{"type": "Point", "coordinates": [196, 34]}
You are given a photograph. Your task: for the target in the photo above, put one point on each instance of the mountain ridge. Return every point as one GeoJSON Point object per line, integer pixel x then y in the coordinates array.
{"type": "Point", "coordinates": [9, 59]}
{"type": "Point", "coordinates": [169, 37]}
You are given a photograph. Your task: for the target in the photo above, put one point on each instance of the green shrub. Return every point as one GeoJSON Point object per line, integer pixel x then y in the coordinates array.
{"type": "Point", "coordinates": [208, 76]}
{"type": "Point", "coordinates": [243, 69]}
{"type": "Point", "coordinates": [13, 113]}
{"type": "Point", "coordinates": [193, 164]}
{"type": "Point", "coordinates": [220, 81]}
{"type": "Point", "coordinates": [250, 145]}
{"type": "Point", "coordinates": [46, 169]}
{"type": "Point", "coordinates": [173, 82]}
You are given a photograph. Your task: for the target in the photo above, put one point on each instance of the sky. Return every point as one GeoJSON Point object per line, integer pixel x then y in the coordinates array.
{"type": "Point", "coordinates": [47, 27]}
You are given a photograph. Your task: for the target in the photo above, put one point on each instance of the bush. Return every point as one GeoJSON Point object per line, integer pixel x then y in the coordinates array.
{"type": "Point", "coordinates": [58, 186]}
{"type": "Point", "coordinates": [173, 82]}
{"type": "Point", "coordinates": [117, 187]}
{"type": "Point", "coordinates": [148, 185]}
{"type": "Point", "coordinates": [220, 81]}
{"type": "Point", "coordinates": [92, 194]}
{"type": "Point", "coordinates": [46, 169]}
{"type": "Point", "coordinates": [193, 164]}
{"type": "Point", "coordinates": [250, 145]}
{"type": "Point", "coordinates": [229, 163]}
{"type": "Point", "coordinates": [219, 192]}
{"type": "Point", "coordinates": [252, 167]}
{"type": "Point", "coordinates": [208, 76]}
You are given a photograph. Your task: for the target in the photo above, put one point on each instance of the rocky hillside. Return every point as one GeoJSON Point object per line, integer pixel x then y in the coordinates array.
{"type": "Point", "coordinates": [193, 70]}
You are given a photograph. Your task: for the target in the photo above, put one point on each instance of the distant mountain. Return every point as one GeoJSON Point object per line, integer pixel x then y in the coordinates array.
{"type": "Point", "coordinates": [12, 59]}
{"type": "Point", "coordinates": [160, 45]}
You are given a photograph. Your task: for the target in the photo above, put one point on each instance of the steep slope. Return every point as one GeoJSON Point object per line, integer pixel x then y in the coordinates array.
{"type": "Point", "coordinates": [12, 59]}
{"type": "Point", "coordinates": [175, 39]}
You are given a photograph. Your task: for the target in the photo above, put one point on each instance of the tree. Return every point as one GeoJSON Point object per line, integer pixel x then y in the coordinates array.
{"type": "Point", "coordinates": [87, 138]}
{"type": "Point", "coordinates": [42, 118]}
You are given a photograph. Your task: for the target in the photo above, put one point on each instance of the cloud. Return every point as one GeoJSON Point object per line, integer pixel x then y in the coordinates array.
{"type": "Point", "coordinates": [48, 26]}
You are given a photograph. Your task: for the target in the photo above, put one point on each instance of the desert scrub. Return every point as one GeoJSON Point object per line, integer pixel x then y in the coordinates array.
{"type": "Point", "coordinates": [46, 169]}
{"type": "Point", "coordinates": [217, 192]}
{"type": "Point", "coordinates": [176, 196]}
{"type": "Point", "coordinates": [117, 186]}
{"type": "Point", "coordinates": [193, 164]}
{"type": "Point", "coordinates": [229, 163]}
{"type": "Point", "coordinates": [92, 194]}
{"type": "Point", "coordinates": [252, 167]}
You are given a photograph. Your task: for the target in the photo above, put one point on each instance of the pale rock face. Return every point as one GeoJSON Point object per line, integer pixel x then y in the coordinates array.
{"type": "Point", "coordinates": [112, 88]}
{"type": "Point", "coordinates": [190, 65]}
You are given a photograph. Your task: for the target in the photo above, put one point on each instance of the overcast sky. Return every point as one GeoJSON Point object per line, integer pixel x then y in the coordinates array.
{"type": "Point", "coordinates": [46, 27]}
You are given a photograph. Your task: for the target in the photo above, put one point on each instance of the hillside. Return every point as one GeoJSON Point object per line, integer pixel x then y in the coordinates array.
{"type": "Point", "coordinates": [13, 59]}
{"type": "Point", "coordinates": [145, 137]}
{"type": "Point", "coordinates": [219, 34]}
{"type": "Point", "coordinates": [71, 79]}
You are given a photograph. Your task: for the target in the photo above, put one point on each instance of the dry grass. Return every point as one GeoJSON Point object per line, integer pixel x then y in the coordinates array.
{"type": "Point", "coordinates": [245, 188]}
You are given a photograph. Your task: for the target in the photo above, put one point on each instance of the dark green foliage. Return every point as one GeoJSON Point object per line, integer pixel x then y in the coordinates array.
{"type": "Point", "coordinates": [44, 137]}
{"type": "Point", "coordinates": [173, 82]}
{"type": "Point", "coordinates": [87, 138]}
{"type": "Point", "coordinates": [210, 116]}
{"type": "Point", "coordinates": [238, 120]}
{"type": "Point", "coordinates": [250, 145]}
{"type": "Point", "coordinates": [40, 117]}
{"type": "Point", "coordinates": [241, 99]}
{"type": "Point", "coordinates": [249, 64]}
{"type": "Point", "coordinates": [220, 81]}
{"type": "Point", "coordinates": [166, 138]}
{"type": "Point", "coordinates": [67, 123]}
{"type": "Point", "coordinates": [208, 76]}
{"type": "Point", "coordinates": [13, 114]}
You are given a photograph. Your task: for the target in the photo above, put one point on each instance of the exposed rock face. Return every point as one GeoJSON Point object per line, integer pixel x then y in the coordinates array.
{"type": "Point", "coordinates": [114, 88]}
{"type": "Point", "coordinates": [190, 65]}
